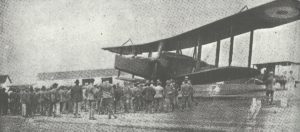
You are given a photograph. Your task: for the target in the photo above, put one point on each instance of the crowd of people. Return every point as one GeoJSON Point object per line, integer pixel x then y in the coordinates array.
{"type": "Point", "coordinates": [287, 82]}
{"type": "Point", "coordinates": [104, 98]}
{"type": "Point", "coordinates": [107, 98]}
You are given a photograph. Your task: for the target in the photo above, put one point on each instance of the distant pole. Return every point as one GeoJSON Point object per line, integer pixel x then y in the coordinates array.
{"type": "Point", "coordinates": [199, 51]}
{"type": "Point", "coordinates": [250, 48]}
{"type": "Point", "coordinates": [119, 73]}
{"type": "Point", "coordinates": [150, 54]}
{"type": "Point", "coordinates": [231, 50]}
{"type": "Point", "coordinates": [195, 52]}
{"type": "Point", "coordinates": [217, 53]}
{"type": "Point", "coordinates": [160, 48]}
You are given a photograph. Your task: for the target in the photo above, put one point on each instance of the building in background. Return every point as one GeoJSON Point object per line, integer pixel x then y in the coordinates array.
{"type": "Point", "coordinates": [84, 76]}
{"type": "Point", "coordinates": [5, 81]}
{"type": "Point", "coordinates": [280, 67]}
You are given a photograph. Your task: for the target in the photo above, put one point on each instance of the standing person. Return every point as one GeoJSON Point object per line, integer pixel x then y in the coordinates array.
{"type": "Point", "coordinates": [118, 93]}
{"type": "Point", "coordinates": [69, 100]}
{"type": "Point", "coordinates": [85, 101]}
{"type": "Point", "coordinates": [35, 103]}
{"type": "Point", "coordinates": [76, 95]}
{"type": "Point", "coordinates": [41, 100]}
{"type": "Point", "coordinates": [47, 99]}
{"type": "Point", "coordinates": [291, 81]}
{"type": "Point", "coordinates": [90, 96]}
{"type": "Point", "coordinates": [136, 93]}
{"type": "Point", "coordinates": [290, 87]}
{"type": "Point", "coordinates": [283, 80]}
{"type": "Point", "coordinates": [127, 96]}
{"type": "Point", "coordinates": [142, 86]}
{"type": "Point", "coordinates": [98, 98]}
{"type": "Point", "coordinates": [9, 92]}
{"type": "Point", "coordinates": [158, 97]}
{"type": "Point", "coordinates": [55, 100]}
{"type": "Point", "coordinates": [176, 93]}
{"type": "Point", "coordinates": [23, 102]}
{"type": "Point", "coordinates": [13, 96]}
{"type": "Point", "coordinates": [5, 102]}
{"type": "Point", "coordinates": [270, 82]}
{"type": "Point", "coordinates": [30, 102]}
{"type": "Point", "coordinates": [148, 94]}
{"type": "Point", "coordinates": [169, 96]}
{"type": "Point", "coordinates": [63, 99]}
{"type": "Point", "coordinates": [107, 99]}
{"type": "Point", "coordinates": [1, 101]}
{"type": "Point", "coordinates": [186, 93]}
{"type": "Point", "coordinates": [192, 91]}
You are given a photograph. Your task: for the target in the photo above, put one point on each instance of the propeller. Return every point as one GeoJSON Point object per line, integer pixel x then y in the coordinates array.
{"type": "Point", "coordinates": [156, 60]}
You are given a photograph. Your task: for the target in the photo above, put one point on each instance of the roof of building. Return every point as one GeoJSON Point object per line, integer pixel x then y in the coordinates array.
{"type": "Point", "coordinates": [81, 74]}
{"type": "Point", "coordinates": [21, 86]}
{"type": "Point", "coordinates": [278, 63]}
{"type": "Point", "coordinates": [3, 78]}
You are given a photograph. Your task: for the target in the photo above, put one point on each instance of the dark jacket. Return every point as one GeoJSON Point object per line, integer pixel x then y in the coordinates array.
{"type": "Point", "coordinates": [3, 97]}
{"type": "Point", "coordinates": [76, 93]}
{"type": "Point", "coordinates": [13, 97]}
{"type": "Point", "coordinates": [148, 93]}
{"type": "Point", "coordinates": [54, 96]}
{"type": "Point", "coordinates": [40, 96]}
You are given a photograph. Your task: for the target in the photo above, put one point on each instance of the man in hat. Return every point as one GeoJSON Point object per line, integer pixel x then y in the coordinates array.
{"type": "Point", "coordinates": [186, 93]}
{"type": "Point", "coordinates": [76, 96]}
{"type": "Point", "coordinates": [270, 82]}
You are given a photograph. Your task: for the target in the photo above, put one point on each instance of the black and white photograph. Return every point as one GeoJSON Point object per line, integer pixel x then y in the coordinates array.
{"type": "Point", "coordinates": [149, 65]}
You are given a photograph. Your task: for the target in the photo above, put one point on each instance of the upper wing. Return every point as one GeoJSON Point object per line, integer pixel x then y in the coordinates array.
{"type": "Point", "coordinates": [265, 16]}
{"type": "Point", "coordinates": [219, 74]}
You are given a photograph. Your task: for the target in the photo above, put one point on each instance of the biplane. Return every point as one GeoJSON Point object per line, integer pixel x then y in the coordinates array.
{"type": "Point", "coordinates": [171, 63]}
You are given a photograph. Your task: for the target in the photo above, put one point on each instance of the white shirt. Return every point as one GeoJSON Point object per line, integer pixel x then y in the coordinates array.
{"type": "Point", "coordinates": [159, 91]}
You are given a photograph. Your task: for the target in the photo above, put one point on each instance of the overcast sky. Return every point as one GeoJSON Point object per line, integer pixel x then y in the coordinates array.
{"type": "Point", "coordinates": [63, 35]}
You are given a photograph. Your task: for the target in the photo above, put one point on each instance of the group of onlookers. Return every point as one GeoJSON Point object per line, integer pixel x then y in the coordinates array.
{"type": "Point", "coordinates": [287, 82]}
{"type": "Point", "coordinates": [104, 98]}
